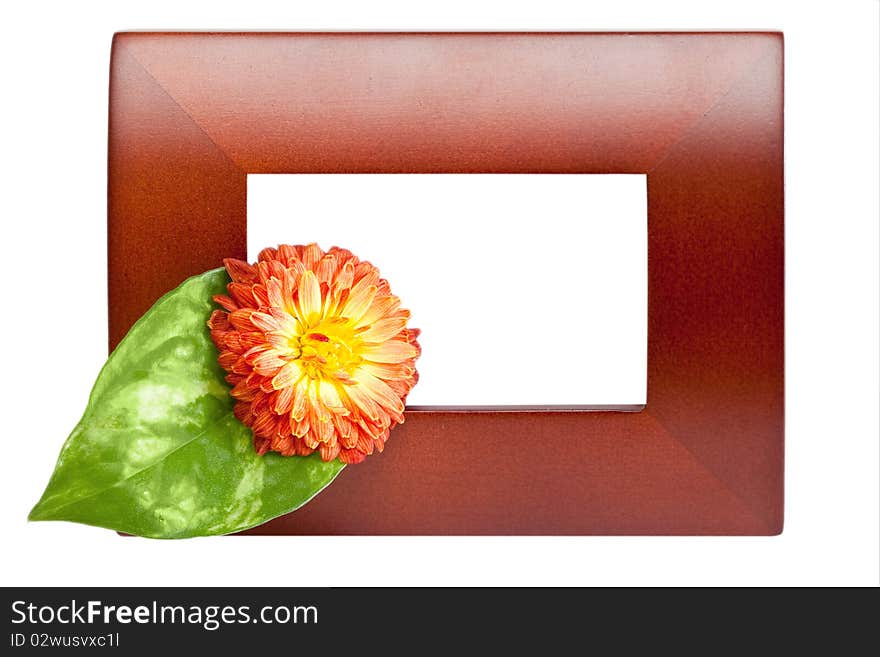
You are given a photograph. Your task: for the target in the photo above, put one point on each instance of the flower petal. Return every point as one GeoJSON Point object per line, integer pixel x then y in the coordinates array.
{"type": "Point", "coordinates": [389, 371]}
{"type": "Point", "coordinates": [363, 403]}
{"type": "Point", "coordinates": [266, 363]}
{"type": "Point", "coordinates": [274, 294]}
{"type": "Point", "coordinates": [382, 307]}
{"type": "Point", "coordinates": [346, 431]}
{"type": "Point", "coordinates": [345, 277]}
{"type": "Point", "coordinates": [329, 395]}
{"type": "Point", "coordinates": [385, 329]}
{"type": "Point", "coordinates": [298, 409]}
{"type": "Point", "coordinates": [288, 254]}
{"type": "Point", "coordinates": [326, 269]}
{"type": "Point", "coordinates": [393, 351]}
{"type": "Point", "coordinates": [240, 271]}
{"type": "Point", "coordinates": [226, 302]}
{"type": "Point", "coordinates": [309, 295]}
{"type": "Point", "coordinates": [359, 301]}
{"type": "Point", "coordinates": [311, 255]}
{"type": "Point", "coordinates": [288, 375]}
{"type": "Point", "coordinates": [329, 452]}
{"type": "Point", "coordinates": [264, 322]}
{"type": "Point", "coordinates": [380, 391]}
{"type": "Point", "coordinates": [284, 400]}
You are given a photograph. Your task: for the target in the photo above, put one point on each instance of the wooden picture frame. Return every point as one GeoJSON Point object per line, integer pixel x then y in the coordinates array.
{"type": "Point", "coordinates": [700, 113]}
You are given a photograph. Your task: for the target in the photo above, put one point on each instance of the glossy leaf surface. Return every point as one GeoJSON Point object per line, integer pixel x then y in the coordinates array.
{"type": "Point", "coordinates": [158, 451]}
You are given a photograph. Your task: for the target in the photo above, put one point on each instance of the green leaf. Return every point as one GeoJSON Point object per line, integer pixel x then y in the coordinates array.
{"type": "Point", "coordinates": [158, 451]}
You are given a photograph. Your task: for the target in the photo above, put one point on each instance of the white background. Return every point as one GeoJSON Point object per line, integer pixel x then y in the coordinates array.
{"type": "Point", "coordinates": [495, 253]}
{"type": "Point", "coordinates": [55, 58]}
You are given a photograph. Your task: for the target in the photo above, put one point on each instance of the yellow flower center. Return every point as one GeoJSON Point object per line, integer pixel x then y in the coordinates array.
{"type": "Point", "coordinates": [329, 349]}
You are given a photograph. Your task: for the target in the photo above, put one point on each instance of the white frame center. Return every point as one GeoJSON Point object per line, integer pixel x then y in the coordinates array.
{"type": "Point", "coordinates": [530, 289]}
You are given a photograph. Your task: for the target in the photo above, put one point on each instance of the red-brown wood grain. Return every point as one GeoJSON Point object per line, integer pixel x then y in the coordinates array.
{"type": "Point", "coordinates": [701, 114]}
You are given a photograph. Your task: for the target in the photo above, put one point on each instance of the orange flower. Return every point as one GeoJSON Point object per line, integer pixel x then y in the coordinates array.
{"type": "Point", "coordinates": [317, 351]}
